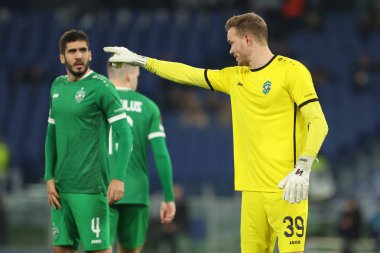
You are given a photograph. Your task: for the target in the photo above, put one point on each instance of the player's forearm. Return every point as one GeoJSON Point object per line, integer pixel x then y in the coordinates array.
{"type": "Point", "coordinates": [177, 72]}
{"type": "Point", "coordinates": [124, 139]}
{"type": "Point", "coordinates": [317, 128]}
{"type": "Point", "coordinates": [164, 167]}
{"type": "Point", "coordinates": [50, 152]}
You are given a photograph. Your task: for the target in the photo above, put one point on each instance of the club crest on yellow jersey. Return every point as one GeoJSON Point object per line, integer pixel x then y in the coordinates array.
{"type": "Point", "coordinates": [79, 96]}
{"type": "Point", "coordinates": [267, 87]}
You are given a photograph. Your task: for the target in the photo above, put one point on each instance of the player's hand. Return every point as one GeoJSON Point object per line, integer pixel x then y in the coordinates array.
{"type": "Point", "coordinates": [115, 191]}
{"type": "Point", "coordinates": [53, 195]}
{"type": "Point", "coordinates": [167, 212]}
{"type": "Point", "coordinates": [296, 184]}
{"type": "Point", "coordinates": [123, 55]}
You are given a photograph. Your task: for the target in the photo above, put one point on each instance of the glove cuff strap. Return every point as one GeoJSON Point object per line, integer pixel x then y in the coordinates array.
{"type": "Point", "coordinates": [141, 60]}
{"type": "Point", "coordinates": [306, 159]}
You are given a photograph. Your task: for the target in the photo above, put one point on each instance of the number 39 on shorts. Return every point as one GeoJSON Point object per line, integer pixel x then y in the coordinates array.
{"type": "Point", "coordinates": [294, 226]}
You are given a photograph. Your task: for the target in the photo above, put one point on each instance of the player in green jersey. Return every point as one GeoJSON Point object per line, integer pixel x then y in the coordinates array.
{"type": "Point", "coordinates": [130, 215]}
{"type": "Point", "coordinates": [83, 106]}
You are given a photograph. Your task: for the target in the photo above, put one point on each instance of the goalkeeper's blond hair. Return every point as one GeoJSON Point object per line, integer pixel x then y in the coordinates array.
{"type": "Point", "coordinates": [249, 23]}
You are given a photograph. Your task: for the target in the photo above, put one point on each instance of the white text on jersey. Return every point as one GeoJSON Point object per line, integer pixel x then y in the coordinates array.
{"type": "Point", "coordinates": [134, 106]}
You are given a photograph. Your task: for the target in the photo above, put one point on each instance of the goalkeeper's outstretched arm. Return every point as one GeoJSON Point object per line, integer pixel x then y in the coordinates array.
{"type": "Point", "coordinates": [173, 71]}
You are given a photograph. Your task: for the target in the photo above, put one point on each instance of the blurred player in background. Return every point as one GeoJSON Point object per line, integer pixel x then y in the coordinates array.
{"type": "Point", "coordinates": [83, 105]}
{"type": "Point", "coordinates": [130, 215]}
{"type": "Point", "coordinates": [278, 129]}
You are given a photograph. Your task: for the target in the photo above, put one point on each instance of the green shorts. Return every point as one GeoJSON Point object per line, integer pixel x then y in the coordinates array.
{"type": "Point", "coordinates": [130, 222]}
{"type": "Point", "coordinates": [83, 219]}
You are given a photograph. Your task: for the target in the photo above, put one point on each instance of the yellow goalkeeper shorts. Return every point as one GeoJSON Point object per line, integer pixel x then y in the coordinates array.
{"type": "Point", "coordinates": [265, 217]}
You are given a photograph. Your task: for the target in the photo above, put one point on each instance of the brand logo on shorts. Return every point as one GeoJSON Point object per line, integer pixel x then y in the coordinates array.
{"type": "Point", "coordinates": [267, 87]}
{"type": "Point", "coordinates": [96, 241]}
{"type": "Point", "coordinates": [54, 232]}
{"type": "Point", "coordinates": [295, 242]}
{"type": "Point", "coordinates": [79, 96]}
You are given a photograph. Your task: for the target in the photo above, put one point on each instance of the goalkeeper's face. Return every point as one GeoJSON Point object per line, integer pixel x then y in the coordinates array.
{"type": "Point", "coordinates": [77, 58]}
{"type": "Point", "coordinates": [239, 46]}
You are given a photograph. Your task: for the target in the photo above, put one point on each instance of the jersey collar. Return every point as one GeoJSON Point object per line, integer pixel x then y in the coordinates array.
{"type": "Point", "coordinates": [123, 88]}
{"type": "Point", "coordinates": [274, 56]}
{"type": "Point", "coordinates": [86, 75]}
{"type": "Point", "coordinates": [83, 77]}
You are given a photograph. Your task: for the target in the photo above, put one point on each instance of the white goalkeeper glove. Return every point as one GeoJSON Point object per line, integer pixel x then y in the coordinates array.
{"type": "Point", "coordinates": [296, 184]}
{"type": "Point", "coordinates": [123, 55]}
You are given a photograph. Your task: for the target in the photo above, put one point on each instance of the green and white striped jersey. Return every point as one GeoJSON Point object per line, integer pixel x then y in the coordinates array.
{"type": "Point", "coordinates": [81, 112]}
{"type": "Point", "coordinates": [145, 118]}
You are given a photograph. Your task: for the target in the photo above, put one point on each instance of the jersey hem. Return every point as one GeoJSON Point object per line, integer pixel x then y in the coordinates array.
{"type": "Point", "coordinates": [257, 189]}
{"type": "Point", "coordinates": [131, 203]}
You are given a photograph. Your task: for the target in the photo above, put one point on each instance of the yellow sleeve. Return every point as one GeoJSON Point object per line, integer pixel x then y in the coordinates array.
{"type": "Point", "coordinates": [301, 89]}
{"type": "Point", "coordinates": [178, 72]}
{"type": "Point", "coordinates": [318, 128]}
{"type": "Point", "coordinates": [300, 84]}
{"type": "Point", "coordinates": [220, 80]}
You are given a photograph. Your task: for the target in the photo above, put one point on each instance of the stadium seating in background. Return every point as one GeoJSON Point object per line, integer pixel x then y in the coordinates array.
{"type": "Point", "coordinates": [200, 156]}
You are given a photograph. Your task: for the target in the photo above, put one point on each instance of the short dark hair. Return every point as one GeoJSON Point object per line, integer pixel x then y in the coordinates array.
{"type": "Point", "coordinates": [71, 36]}
{"type": "Point", "coordinates": [249, 23]}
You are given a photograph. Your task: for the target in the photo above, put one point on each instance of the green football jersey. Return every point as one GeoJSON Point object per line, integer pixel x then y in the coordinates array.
{"type": "Point", "coordinates": [81, 112]}
{"type": "Point", "coordinates": [145, 118]}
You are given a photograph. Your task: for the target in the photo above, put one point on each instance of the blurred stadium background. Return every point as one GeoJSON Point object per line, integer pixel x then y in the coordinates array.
{"type": "Point", "coordinates": [338, 40]}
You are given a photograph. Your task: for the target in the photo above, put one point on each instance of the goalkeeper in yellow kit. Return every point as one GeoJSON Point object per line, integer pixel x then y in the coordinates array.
{"type": "Point", "coordinates": [278, 129]}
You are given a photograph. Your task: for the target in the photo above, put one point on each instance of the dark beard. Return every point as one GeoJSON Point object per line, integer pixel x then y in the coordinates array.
{"type": "Point", "coordinates": [77, 74]}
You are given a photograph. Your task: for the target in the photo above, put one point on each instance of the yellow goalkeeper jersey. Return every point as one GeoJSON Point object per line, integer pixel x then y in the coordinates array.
{"type": "Point", "coordinates": [268, 128]}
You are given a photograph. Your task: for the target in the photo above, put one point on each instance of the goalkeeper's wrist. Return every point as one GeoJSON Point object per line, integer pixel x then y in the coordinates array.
{"type": "Point", "coordinates": [307, 159]}
{"type": "Point", "coordinates": [141, 60]}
